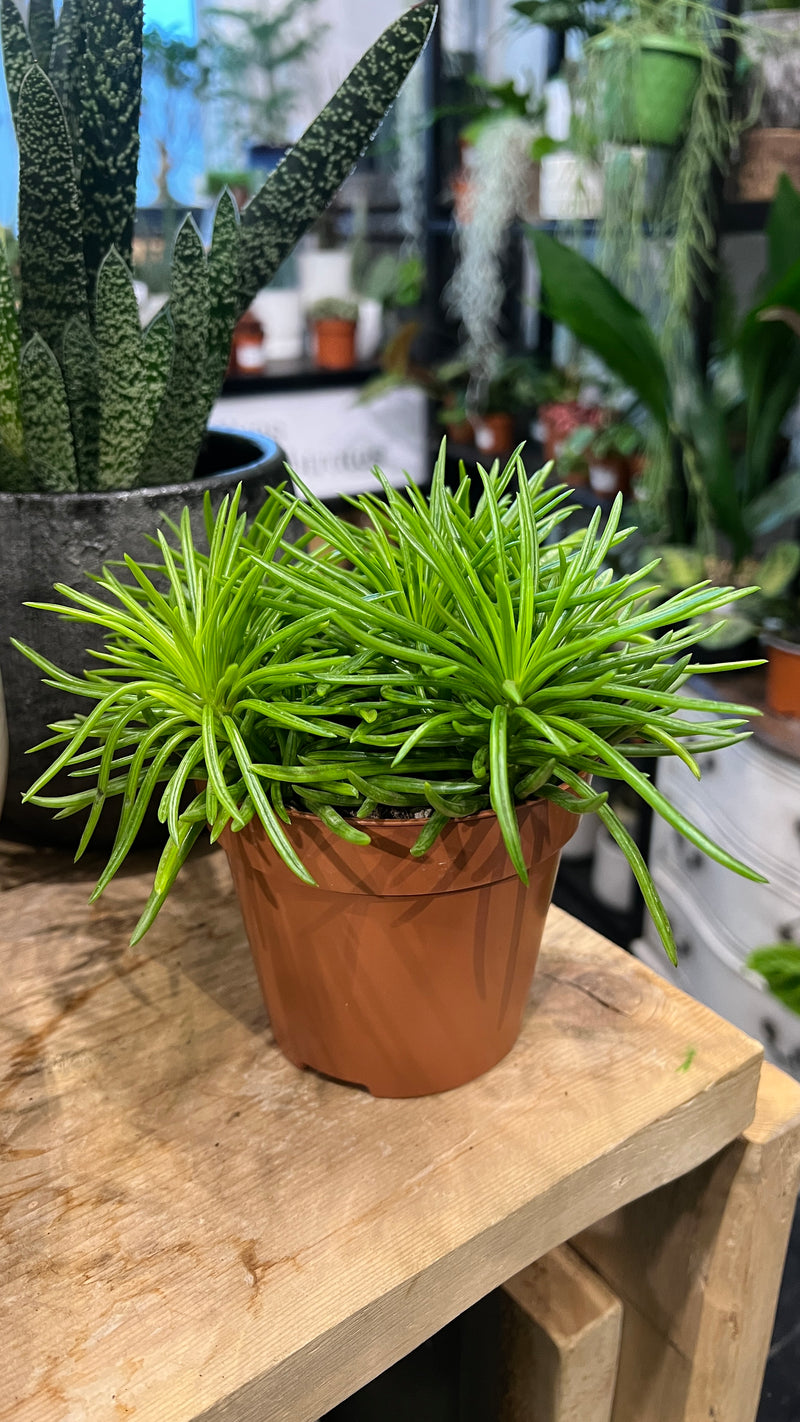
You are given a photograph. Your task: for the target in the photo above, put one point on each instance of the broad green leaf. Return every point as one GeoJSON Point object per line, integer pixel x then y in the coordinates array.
{"type": "Point", "coordinates": [171, 452]}
{"type": "Point", "coordinates": [124, 427]}
{"type": "Point", "coordinates": [18, 56]}
{"type": "Point", "coordinates": [783, 227]}
{"type": "Point", "coordinates": [41, 30]}
{"type": "Point", "coordinates": [580, 297]}
{"type": "Point", "coordinates": [309, 176]}
{"type": "Point", "coordinates": [779, 966]}
{"type": "Point", "coordinates": [223, 275]}
{"type": "Point", "coordinates": [50, 234]}
{"type": "Point", "coordinates": [10, 416]}
{"type": "Point", "coordinates": [80, 366]}
{"type": "Point", "coordinates": [110, 100]}
{"type": "Point", "coordinates": [769, 354]}
{"type": "Point", "coordinates": [777, 568]}
{"type": "Point", "coordinates": [45, 418]}
{"type": "Point", "coordinates": [779, 503]}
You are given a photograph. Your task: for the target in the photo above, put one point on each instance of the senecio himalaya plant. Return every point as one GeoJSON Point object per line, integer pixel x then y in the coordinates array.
{"type": "Point", "coordinates": [89, 401]}
{"type": "Point", "coordinates": [435, 660]}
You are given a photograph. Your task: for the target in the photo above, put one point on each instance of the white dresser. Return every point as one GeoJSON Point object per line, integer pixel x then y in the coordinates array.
{"type": "Point", "coordinates": [749, 801]}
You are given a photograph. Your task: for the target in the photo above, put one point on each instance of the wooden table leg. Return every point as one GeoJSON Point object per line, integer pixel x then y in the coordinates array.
{"type": "Point", "coordinates": [698, 1267]}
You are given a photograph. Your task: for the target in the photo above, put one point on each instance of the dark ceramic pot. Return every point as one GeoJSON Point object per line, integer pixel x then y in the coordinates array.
{"type": "Point", "coordinates": [56, 538]}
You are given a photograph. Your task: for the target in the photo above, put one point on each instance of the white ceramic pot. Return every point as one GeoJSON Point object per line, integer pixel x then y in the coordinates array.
{"type": "Point", "coordinates": [612, 877]}
{"type": "Point", "coordinates": [569, 188]}
{"type": "Point", "coordinates": [582, 844]}
{"type": "Point", "coordinates": [369, 333]}
{"type": "Point", "coordinates": [324, 274]}
{"type": "Point", "coordinates": [281, 316]}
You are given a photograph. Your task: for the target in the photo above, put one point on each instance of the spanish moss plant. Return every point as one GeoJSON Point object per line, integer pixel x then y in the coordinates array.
{"type": "Point", "coordinates": [435, 662]}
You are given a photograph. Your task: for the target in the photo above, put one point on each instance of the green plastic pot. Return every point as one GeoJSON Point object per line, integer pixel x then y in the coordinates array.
{"type": "Point", "coordinates": [654, 104]}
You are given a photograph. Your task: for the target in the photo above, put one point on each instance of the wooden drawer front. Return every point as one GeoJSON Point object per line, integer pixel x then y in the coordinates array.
{"type": "Point", "coordinates": [746, 915]}
{"type": "Point", "coordinates": [711, 973]}
{"type": "Point", "coordinates": [749, 801]}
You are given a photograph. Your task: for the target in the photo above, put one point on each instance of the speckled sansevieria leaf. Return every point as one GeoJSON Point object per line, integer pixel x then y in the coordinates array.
{"type": "Point", "coordinates": [50, 237]}
{"type": "Point", "coordinates": [17, 53]}
{"type": "Point", "coordinates": [10, 416]}
{"type": "Point", "coordinates": [223, 274]}
{"type": "Point", "coordinates": [306, 180]}
{"type": "Point", "coordinates": [159, 354]}
{"type": "Point", "coordinates": [111, 94]}
{"type": "Point", "coordinates": [41, 29]}
{"type": "Point", "coordinates": [120, 368]}
{"type": "Point", "coordinates": [81, 381]}
{"type": "Point", "coordinates": [66, 63]}
{"type": "Point", "coordinates": [14, 472]}
{"type": "Point", "coordinates": [46, 421]}
{"type": "Point", "coordinates": [171, 452]}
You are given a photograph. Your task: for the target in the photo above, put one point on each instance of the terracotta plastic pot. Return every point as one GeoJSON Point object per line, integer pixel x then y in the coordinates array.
{"type": "Point", "coordinates": [494, 434]}
{"type": "Point", "coordinates": [404, 976]}
{"type": "Point", "coordinates": [335, 344]}
{"type": "Point", "coordinates": [765, 153]}
{"type": "Point", "coordinates": [783, 676]}
{"type": "Point", "coordinates": [654, 107]}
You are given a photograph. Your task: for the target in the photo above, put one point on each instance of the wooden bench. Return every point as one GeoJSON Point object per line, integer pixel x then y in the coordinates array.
{"type": "Point", "coordinates": [192, 1229]}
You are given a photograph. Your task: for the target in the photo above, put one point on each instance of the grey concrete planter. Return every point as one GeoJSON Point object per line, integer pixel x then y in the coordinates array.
{"type": "Point", "coordinates": [51, 538]}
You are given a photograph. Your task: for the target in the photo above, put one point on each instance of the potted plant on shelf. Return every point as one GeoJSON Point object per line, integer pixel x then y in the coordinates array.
{"type": "Point", "coordinates": [393, 732]}
{"type": "Point", "coordinates": [495, 408]}
{"type": "Point", "coordinates": [333, 326]}
{"type": "Point", "coordinates": [717, 497]}
{"type": "Point", "coordinates": [770, 105]}
{"type": "Point", "coordinates": [781, 640]}
{"type": "Point", "coordinates": [601, 454]}
{"type": "Point", "coordinates": [103, 424]}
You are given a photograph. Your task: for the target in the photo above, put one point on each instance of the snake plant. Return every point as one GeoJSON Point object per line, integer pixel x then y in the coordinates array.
{"type": "Point", "coordinates": [88, 400]}
{"type": "Point", "coordinates": [434, 661]}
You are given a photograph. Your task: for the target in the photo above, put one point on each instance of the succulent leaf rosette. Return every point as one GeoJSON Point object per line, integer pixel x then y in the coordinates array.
{"type": "Point", "coordinates": [447, 655]}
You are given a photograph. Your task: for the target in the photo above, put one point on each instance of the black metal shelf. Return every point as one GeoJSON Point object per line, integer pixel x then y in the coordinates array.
{"type": "Point", "coordinates": [282, 377]}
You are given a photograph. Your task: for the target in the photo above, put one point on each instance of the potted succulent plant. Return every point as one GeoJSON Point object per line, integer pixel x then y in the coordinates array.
{"type": "Point", "coordinates": [390, 730]}
{"type": "Point", "coordinates": [333, 326]}
{"type": "Point", "coordinates": [103, 424]}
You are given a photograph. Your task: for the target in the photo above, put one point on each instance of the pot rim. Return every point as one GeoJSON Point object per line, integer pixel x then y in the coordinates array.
{"type": "Point", "coordinates": [266, 446]}
{"type": "Point", "coordinates": [667, 44]}
{"type": "Point", "coordinates": [780, 644]}
{"type": "Point", "coordinates": [486, 814]}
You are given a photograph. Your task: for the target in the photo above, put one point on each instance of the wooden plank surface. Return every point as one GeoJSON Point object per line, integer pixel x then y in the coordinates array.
{"type": "Point", "coordinates": [192, 1228]}
{"type": "Point", "coordinates": [698, 1266]}
{"type": "Point", "coordinates": [561, 1327]}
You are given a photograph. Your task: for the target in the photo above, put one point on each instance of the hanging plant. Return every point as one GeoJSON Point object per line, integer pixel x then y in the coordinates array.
{"type": "Point", "coordinates": [501, 173]}
{"type": "Point", "coordinates": [656, 90]}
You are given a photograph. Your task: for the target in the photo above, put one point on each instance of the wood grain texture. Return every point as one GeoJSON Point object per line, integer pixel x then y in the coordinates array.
{"type": "Point", "coordinates": [698, 1266]}
{"type": "Point", "coordinates": [192, 1228]}
{"type": "Point", "coordinates": [561, 1336]}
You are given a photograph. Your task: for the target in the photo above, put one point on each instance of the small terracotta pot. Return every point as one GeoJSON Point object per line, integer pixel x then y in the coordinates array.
{"type": "Point", "coordinates": [609, 477]}
{"type": "Point", "coordinates": [783, 676]}
{"type": "Point", "coordinates": [404, 976]}
{"type": "Point", "coordinates": [494, 434]}
{"type": "Point", "coordinates": [335, 344]}
{"type": "Point", "coordinates": [764, 153]}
